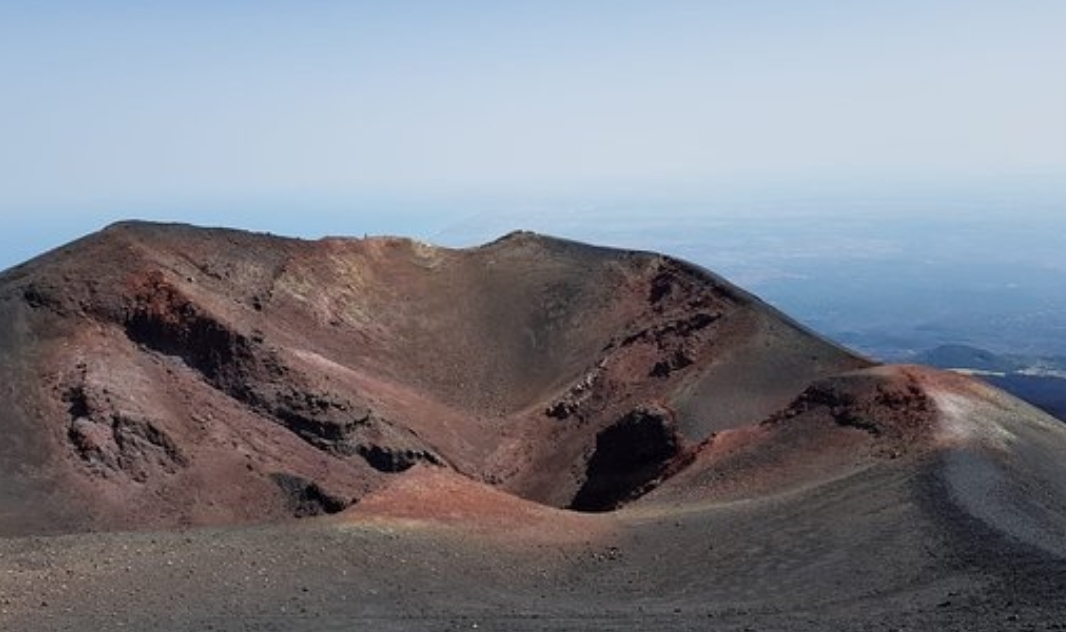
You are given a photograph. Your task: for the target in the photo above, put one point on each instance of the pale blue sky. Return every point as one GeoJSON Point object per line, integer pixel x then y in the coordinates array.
{"type": "Point", "coordinates": [420, 117]}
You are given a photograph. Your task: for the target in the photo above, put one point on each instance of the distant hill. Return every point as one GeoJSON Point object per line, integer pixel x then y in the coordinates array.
{"type": "Point", "coordinates": [1041, 381]}
{"type": "Point", "coordinates": [966, 357]}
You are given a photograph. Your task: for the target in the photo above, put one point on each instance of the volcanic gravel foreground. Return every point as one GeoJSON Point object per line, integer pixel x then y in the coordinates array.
{"type": "Point", "coordinates": [207, 429]}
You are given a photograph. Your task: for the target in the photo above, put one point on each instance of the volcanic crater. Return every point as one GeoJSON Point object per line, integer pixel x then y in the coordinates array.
{"type": "Point", "coordinates": [616, 415]}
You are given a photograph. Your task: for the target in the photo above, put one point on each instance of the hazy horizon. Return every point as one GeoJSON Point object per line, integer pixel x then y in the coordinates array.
{"type": "Point", "coordinates": [780, 144]}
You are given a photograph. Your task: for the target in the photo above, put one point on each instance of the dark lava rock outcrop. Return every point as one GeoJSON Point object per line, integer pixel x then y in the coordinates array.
{"type": "Point", "coordinates": [631, 455]}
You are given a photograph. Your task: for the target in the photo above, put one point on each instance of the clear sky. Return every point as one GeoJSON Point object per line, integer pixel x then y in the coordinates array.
{"type": "Point", "coordinates": [349, 117]}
